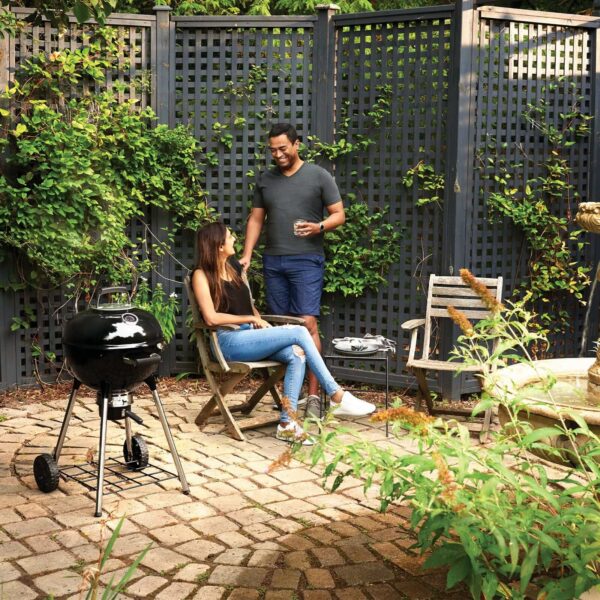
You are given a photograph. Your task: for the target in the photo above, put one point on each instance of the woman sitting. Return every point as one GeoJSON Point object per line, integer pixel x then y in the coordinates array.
{"type": "Point", "coordinates": [224, 298]}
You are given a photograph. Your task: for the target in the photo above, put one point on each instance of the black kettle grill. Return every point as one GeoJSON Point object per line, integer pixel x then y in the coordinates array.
{"type": "Point", "coordinates": [111, 348]}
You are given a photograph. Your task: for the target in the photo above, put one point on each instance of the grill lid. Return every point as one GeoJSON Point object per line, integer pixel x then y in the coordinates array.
{"type": "Point", "coordinates": [110, 326]}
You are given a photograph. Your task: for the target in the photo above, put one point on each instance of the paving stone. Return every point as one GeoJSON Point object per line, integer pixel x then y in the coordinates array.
{"type": "Point", "coordinates": [317, 595]}
{"type": "Point", "coordinates": [266, 481]}
{"type": "Point", "coordinates": [7, 573]}
{"type": "Point", "coordinates": [220, 488]}
{"type": "Point", "coordinates": [411, 564]}
{"type": "Point", "coordinates": [227, 504]}
{"type": "Point", "coordinates": [41, 544]}
{"type": "Point", "coordinates": [8, 515]}
{"type": "Point", "coordinates": [41, 563]}
{"type": "Point", "coordinates": [264, 558]}
{"type": "Point", "coordinates": [154, 518]}
{"type": "Point", "coordinates": [350, 594]}
{"type": "Point", "coordinates": [281, 595]}
{"type": "Point", "coordinates": [214, 525]}
{"type": "Point", "coordinates": [343, 529]}
{"type": "Point", "coordinates": [31, 527]}
{"type": "Point", "coordinates": [266, 495]}
{"type": "Point", "coordinates": [292, 475]}
{"type": "Point", "coordinates": [415, 589]}
{"type": "Point", "coordinates": [174, 534]}
{"type": "Point", "coordinates": [145, 587]}
{"type": "Point", "coordinates": [296, 542]}
{"type": "Point", "coordinates": [286, 578]}
{"type": "Point", "coordinates": [17, 589]}
{"type": "Point", "coordinates": [304, 489]}
{"type": "Point", "coordinates": [321, 534]}
{"type": "Point", "coordinates": [59, 583]}
{"type": "Point", "coordinates": [364, 574]}
{"type": "Point", "coordinates": [244, 594]}
{"type": "Point", "coordinates": [234, 539]}
{"type": "Point", "coordinates": [131, 544]}
{"type": "Point", "coordinates": [192, 572]}
{"type": "Point", "coordinates": [249, 516]}
{"type": "Point", "coordinates": [190, 512]}
{"type": "Point", "coordinates": [382, 592]}
{"type": "Point", "coordinates": [328, 557]}
{"type": "Point", "coordinates": [289, 508]}
{"type": "Point", "coordinates": [117, 574]}
{"type": "Point", "coordinates": [357, 553]}
{"type": "Point", "coordinates": [69, 538]}
{"type": "Point", "coordinates": [210, 592]}
{"type": "Point", "coordinates": [298, 560]}
{"type": "Point", "coordinates": [10, 550]}
{"type": "Point", "coordinates": [233, 556]}
{"type": "Point", "coordinates": [319, 578]}
{"type": "Point", "coordinates": [176, 591]}
{"type": "Point", "coordinates": [164, 499]}
{"type": "Point", "coordinates": [239, 576]}
{"type": "Point", "coordinates": [163, 560]}
{"type": "Point", "coordinates": [201, 549]}
{"type": "Point", "coordinates": [312, 519]}
{"type": "Point", "coordinates": [261, 531]}
{"type": "Point", "coordinates": [286, 525]}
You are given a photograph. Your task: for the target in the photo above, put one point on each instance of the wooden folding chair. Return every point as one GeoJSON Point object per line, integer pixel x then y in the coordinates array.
{"type": "Point", "coordinates": [442, 293]}
{"type": "Point", "coordinates": [231, 373]}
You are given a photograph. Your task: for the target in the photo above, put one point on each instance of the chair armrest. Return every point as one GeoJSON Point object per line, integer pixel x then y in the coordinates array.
{"type": "Point", "coordinates": [203, 325]}
{"type": "Point", "coordinates": [286, 320]}
{"type": "Point", "coordinates": [408, 325]}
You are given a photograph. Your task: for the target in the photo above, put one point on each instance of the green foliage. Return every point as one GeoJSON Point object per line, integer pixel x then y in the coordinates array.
{"type": "Point", "coordinates": [429, 183]}
{"type": "Point", "coordinates": [360, 253]}
{"type": "Point", "coordinates": [77, 172]}
{"type": "Point", "coordinates": [113, 590]}
{"type": "Point", "coordinates": [554, 272]}
{"type": "Point", "coordinates": [164, 309]}
{"type": "Point", "coordinates": [494, 516]}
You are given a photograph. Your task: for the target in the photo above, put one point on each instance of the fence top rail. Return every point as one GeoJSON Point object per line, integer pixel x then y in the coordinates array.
{"type": "Point", "coordinates": [238, 21]}
{"type": "Point", "coordinates": [539, 17]}
{"type": "Point", "coordinates": [395, 16]}
{"type": "Point", "coordinates": [113, 19]}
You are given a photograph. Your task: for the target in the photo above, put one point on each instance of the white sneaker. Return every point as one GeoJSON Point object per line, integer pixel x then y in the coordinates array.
{"type": "Point", "coordinates": [293, 434]}
{"type": "Point", "coordinates": [351, 406]}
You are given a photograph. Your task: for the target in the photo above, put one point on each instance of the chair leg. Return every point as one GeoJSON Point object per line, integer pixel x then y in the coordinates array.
{"type": "Point", "coordinates": [485, 427]}
{"type": "Point", "coordinates": [219, 394]}
{"type": "Point", "coordinates": [424, 393]}
{"type": "Point", "coordinates": [267, 385]}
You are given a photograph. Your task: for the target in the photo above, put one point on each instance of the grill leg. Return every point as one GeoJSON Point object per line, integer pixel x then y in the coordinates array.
{"type": "Point", "coordinates": [128, 435]}
{"type": "Point", "coordinates": [101, 450]}
{"type": "Point", "coordinates": [65, 423]}
{"type": "Point", "coordinates": [165, 425]}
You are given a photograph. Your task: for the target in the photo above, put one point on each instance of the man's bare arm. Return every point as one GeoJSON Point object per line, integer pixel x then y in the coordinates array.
{"type": "Point", "coordinates": [253, 229]}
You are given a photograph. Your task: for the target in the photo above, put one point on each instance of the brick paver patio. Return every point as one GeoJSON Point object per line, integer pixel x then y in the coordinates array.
{"type": "Point", "coordinates": [242, 533]}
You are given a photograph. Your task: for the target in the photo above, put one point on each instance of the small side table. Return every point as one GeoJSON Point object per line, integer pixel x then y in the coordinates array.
{"type": "Point", "coordinates": [380, 356]}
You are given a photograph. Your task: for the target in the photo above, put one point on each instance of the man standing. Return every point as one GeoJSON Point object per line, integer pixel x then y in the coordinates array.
{"type": "Point", "coordinates": [292, 196]}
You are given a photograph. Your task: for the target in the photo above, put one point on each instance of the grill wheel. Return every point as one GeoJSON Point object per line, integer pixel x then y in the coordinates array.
{"type": "Point", "coordinates": [45, 471]}
{"type": "Point", "coordinates": [140, 458]}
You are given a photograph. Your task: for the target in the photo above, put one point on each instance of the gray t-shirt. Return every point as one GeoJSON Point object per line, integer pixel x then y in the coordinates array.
{"type": "Point", "coordinates": [303, 195]}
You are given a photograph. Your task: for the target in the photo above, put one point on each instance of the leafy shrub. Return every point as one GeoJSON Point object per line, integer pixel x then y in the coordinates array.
{"type": "Point", "coordinates": [495, 516]}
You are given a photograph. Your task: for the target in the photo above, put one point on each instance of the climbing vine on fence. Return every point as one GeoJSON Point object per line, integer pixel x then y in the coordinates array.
{"type": "Point", "coordinates": [77, 172]}
{"type": "Point", "coordinates": [554, 272]}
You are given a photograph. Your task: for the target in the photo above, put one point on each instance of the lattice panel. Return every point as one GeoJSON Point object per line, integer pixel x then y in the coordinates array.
{"type": "Point", "coordinates": [519, 62]}
{"type": "Point", "coordinates": [408, 62]}
{"type": "Point", "coordinates": [235, 82]}
{"type": "Point", "coordinates": [134, 72]}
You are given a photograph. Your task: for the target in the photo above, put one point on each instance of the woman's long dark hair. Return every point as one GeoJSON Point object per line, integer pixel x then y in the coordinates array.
{"type": "Point", "coordinates": [210, 238]}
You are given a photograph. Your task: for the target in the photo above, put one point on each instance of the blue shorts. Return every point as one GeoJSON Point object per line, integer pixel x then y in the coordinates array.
{"type": "Point", "coordinates": [294, 283]}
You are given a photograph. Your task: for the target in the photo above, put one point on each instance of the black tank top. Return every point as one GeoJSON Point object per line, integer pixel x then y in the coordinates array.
{"type": "Point", "coordinates": [236, 299]}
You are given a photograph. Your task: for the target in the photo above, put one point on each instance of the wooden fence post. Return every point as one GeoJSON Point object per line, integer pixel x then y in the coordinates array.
{"type": "Point", "coordinates": [163, 105]}
{"type": "Point", "coordinates": [458, 193]}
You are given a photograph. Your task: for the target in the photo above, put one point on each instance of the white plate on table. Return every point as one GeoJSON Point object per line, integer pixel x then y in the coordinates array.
{"type": "Point", "coordinates": [365, 348]}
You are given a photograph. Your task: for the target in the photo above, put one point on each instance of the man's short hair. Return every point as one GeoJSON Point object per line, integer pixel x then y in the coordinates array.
{"type": "Point", "coordinates": [284, 128]}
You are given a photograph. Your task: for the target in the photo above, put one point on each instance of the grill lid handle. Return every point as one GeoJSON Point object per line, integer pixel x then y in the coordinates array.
{"type": "Point", "coordinates": [111, 290]}
{"type": "Point", "coordinates": [153, 359]}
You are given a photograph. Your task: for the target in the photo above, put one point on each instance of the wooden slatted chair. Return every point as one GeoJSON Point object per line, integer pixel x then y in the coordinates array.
{"type": "Point", "coordinates": [231, 373]}
{"type": "Point", "coordinates": [442, 293]}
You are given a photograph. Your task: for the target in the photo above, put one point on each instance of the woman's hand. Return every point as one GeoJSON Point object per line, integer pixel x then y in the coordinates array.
{"type": "Point", "coordinates": [258, 323]}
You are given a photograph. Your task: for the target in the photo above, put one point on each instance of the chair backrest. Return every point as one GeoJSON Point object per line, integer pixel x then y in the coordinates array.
{"type": "Point", "coordinates": [453, 291]}
{"type": "Point", "coordinates": [202, 331]}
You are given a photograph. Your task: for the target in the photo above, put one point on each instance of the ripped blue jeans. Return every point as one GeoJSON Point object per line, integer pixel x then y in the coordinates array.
{"type": "Point", "coordinates": [277, 343]}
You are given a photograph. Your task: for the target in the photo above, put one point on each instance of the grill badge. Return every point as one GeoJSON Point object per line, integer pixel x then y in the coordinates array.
{"type": "Point", "coordinates": [129, 318]}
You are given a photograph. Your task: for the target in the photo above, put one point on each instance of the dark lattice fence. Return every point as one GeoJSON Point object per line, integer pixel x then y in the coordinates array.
{"type": "Point", "coordinates": [524, 59]}
{"type": "Point", "coordinates": [229, 78]}
{"type": "Point", "coordinates": [28, 352]}
{"type": "Point", "coordinates": [409, 59]}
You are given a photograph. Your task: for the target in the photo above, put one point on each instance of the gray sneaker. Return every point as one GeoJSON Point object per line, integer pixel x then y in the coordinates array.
{"type": "Point", "coordinates": [313, 407]}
